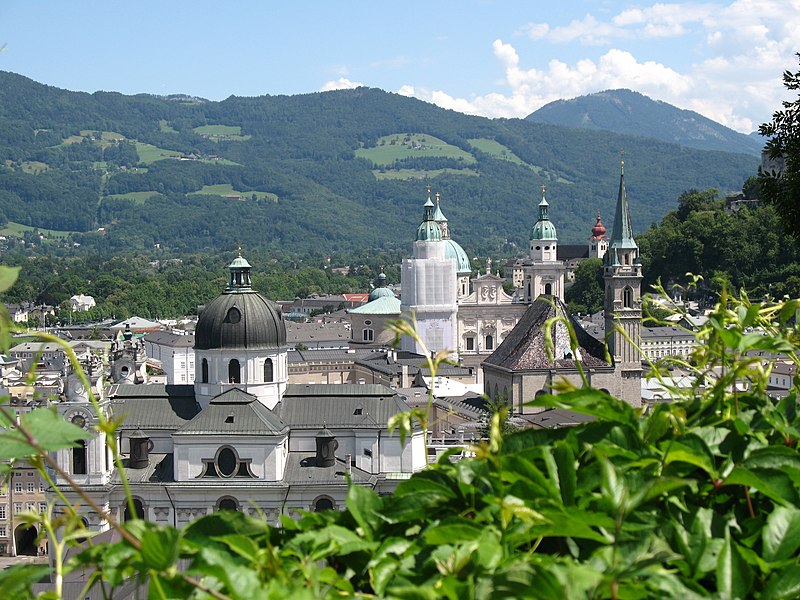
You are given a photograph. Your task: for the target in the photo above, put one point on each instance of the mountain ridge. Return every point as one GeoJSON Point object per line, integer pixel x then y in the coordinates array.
{"type": "Point", "coordinates": [628, 112]}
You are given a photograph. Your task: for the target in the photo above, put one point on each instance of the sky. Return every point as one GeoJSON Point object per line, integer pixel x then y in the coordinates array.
{"type": "Point", "coordinates": [494, 58]}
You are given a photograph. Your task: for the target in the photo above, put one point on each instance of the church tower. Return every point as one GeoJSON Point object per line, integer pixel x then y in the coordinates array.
{"type": "Point", "coordinates": [598, 243]}
{"type": "Point", "coordinates": [453, 250]}
{"type": "Point", "coordinates": [623, 303]}
{"type": "Point", "coordinates": [429, 289]}
{"type": "Point", "coordinates": [543, 272]}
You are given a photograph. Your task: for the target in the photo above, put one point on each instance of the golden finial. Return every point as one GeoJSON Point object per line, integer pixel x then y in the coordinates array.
{"type": "Point", "coordinates": [429, 191]}
{"type": "Point", "coordinates": [239, 247]}
{"type": "Point", "coordinates": [438, 195]}
{"type": "Point", "coordinates": [544, 189]}
{"type": "Point", "coordinates": [622, 160]}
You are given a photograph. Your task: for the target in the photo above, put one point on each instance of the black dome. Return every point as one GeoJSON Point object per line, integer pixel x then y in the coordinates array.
{"type": "Point", "coordinates": [242, 319]}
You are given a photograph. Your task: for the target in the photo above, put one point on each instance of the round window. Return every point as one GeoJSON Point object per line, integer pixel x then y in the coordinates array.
{"type": "Point", "coordinates": [367, 322]}
{"type": "Point", "coordinates": [538, 247]}
{"type": "Point", "coordinates": [234, 316]}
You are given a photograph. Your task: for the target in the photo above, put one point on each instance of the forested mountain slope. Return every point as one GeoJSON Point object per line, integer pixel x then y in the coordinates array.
{"type": "Point", "coordinates": [632, 113]}
{"type": "Point", "coordinates": [328, 171]}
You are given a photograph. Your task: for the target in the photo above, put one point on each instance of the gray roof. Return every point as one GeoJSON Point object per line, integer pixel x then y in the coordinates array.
{"type": "Point", "coordinates": [524, 348]}
{"type": "Point", "coordinates": [317, 332]}
{"type": "Point", "coordinates": [350, 406]}
{"type": "Point", "coordinates": [656, 332]}
{"type": "Point", "coordinates": [235, 412]}
{"type": "Point", "coordinates": [153, 406]}
{"type": "Point", "coordinates": [301, 467]}
{"type": "Point", "coordinates": [172, 340]}
{"type": "Point", "coordinates": [159, 469]}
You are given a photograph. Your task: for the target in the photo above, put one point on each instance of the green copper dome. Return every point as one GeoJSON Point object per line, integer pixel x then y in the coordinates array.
{"type": "Point", "coordinates": [380, 291]}
{"type": "Point", "coordinates": [456, 252]}
{"type": "Point", "coordinates": [544, 229]}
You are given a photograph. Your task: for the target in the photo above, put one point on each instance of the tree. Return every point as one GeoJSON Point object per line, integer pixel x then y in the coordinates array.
{"type": "Point", "coordinates": [587, 293]}
{"type": "Point", "coordinates": [780, 169]}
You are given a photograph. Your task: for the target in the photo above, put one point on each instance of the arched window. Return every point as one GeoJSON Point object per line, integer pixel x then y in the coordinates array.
{"type": "Point", "coordinates": [227, 503]}
{"type": "Point", "coordinates": [138, 508]}
{"type": "Point", "coordinates": [489, 342]}
{"type": "Point", "coordinates": [548, 288]}
{"type": "Point", "coordinates": [269, 376]}
{"type": "Point", "coordinates": [234, 372]}
{"type": "Point", "coordinates": [323, 503]}
{"type": "Point", "coordinates": [79, 458]}
{"type": "Point", "coordinates": [204, 371]}
{"type": "Point", "coordinates": [627, 297]}
{"type": "Point", "coordinates": [369, 334]}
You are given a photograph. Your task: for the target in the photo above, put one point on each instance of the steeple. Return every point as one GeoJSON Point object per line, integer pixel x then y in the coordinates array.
{"type": "Point", "coordinates": [439, 217]}
{"type": "Point", "coordinates": [622, 234]}
{"type": "Point", "coordinates": [429, 230]}
{"type": "Point", "coordinates": [623, 304]}
{"type": "Point", "coordinates": [544, 229]}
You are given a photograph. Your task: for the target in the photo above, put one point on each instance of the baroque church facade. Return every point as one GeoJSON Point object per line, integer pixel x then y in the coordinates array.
{"type": "Point", "coordinates": [241, 437]}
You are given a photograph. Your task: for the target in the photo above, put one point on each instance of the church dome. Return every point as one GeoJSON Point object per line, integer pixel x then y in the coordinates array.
{"type": "Point", "coordinates": [380, 291]}
{"type": "Point", "coordinates": [599, 230]}
{"type": "Point", "coordinates": [543, 229]}
{"type": "Point", "coordinates": [429, 230]}
{"type": "Point", "coordinates": [456, 252]}
{"type": "Point", "coordinates": [240, 317]}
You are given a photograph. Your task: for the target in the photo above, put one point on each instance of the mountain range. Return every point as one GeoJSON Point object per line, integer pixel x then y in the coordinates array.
{"type": "Point", "coordinates": [324, 172]}
{"type": "Point", "coordinates": [631, 113]}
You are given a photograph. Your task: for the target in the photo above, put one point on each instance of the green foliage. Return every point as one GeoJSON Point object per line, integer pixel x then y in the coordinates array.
{"type": "Point", "coordinates": [696, 498]}
{"type": "Point", "coordinates": [780, 182]}
{"type": "Point", "coordinates": [587, 293]}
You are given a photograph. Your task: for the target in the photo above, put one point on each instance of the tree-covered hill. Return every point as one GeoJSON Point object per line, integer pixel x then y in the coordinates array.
{"type": "Point", "coordinates": [302, 172]}
{"type": "Point", "coordinates": [632, 113]}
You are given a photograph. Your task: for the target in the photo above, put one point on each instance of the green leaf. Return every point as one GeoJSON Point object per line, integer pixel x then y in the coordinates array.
{"type": "Point", "coordinates": [781, 535]}
{"type": "Point", "coordinates": [734, 575]}
{"type": "Point", "coordinates": [567, 474]}
{"type": "Point", "coordinates": [242, 545]}
{"type": "Point", "coordinates": [8, 276]}
{"type": "Point", "coordinates": [46, 427]}
{"type": "Point", "coordinates": [772, 483]}
{"type": "Point", "coordinates": [160, 547]}
{"type": "Point", "coordinates": [692, 450]}
{"type": "Point", "coordinates": [452, 533]}
{"type": "Point", "coordinates": [16, 581]}
{"type": "Point", "coordinates": [589, 401]}
{"type": "Point", "coordinates": [783, 584]}
{"type": "Point", "coordinates": [365, 506]}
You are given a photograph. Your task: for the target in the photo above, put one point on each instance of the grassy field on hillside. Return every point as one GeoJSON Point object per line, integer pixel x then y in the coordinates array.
{"type": "Point", "coordinates": [136, 197]}
{"type": "Point", "coordinates": [164, 126]}
{"type": "Point", "coordinates": [226, 189]}
{"type": "Point", "coordinates": [148, 154]}
{"type": "Point", "coordinates": [411, 145]}
{"type": "Point", "coordinates": [420, 174]}
{"type": "Point", "coordinates": [221, 132]}
{"type": "Point", "coordinates": [16, 230]}
{"type": "Point", "coordinates": [496, 149]}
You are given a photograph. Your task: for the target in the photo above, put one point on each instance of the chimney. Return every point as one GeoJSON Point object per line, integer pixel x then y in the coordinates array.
{"type": "Point", "coordinates": [140, 449]}
{"type": "Point", "coordinates": [348, 459]}
{"type": "Point", "coordinates": [326, 448]}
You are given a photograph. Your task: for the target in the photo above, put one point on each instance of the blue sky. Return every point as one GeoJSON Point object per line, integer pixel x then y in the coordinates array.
{"type": "Point", "coordinates": [494, 58]}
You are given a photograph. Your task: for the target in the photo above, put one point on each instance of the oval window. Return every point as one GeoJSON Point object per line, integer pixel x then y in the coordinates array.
{"type": "Point", "coordinates": [226, 462]}
{"type": "Point", "coordinates": [234, 316]}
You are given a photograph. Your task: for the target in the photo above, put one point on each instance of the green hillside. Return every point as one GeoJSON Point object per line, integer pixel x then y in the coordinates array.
{"type": "Point", "coordinates": [147, 169]}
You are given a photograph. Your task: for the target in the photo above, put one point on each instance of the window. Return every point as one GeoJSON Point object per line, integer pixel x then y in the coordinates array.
{"type": "Point", "coordinates": [204, 374]}
{"type": "Point", "coordinates": [269, 371]}
{"type": "Point", "coordinates": [17, 507]}
{"type": "Point", "coordinates": [227, 503]}
{"type": "Point", "coordinates": [31, 487]}
{"type": "Point", "coordinates": [138, 508]}
{"type": "Point", "coordinates": [79, 458]}
{"type": "Point", "coordinates": [489, 342]}
{"type": "Point", "coordinates": [41, 486]}
{"type": "Point", "coordinates": [234, 372]}
{"type": "Point", "coordinates": [627, 297]}
{"type": "Point", "coordinates": [323, 503]}
{"type": "Point", "coordinates": [369, 335]}
{"type": "Point", "coordinates": [3, 531]}
{"type": "Point", "coordinates": [548, 289]}
{"type": "Point", "coordinates": [2, 511]}
{"type": "Point", "coordinates": [18, 487]}
{"type": "Point", "coordinates": [470, 343]}
{"type": "Point", "coordinates": [42, 507]}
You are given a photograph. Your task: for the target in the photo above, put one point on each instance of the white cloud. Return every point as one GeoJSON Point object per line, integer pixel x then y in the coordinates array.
{"type": "Point", "coordinates": [340, 84]}
{"type": "Point", "coordinates": [739, 50]}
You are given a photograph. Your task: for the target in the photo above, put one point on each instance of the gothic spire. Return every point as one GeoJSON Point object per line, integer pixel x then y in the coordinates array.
{"type": "Point", "coordinates": [622, 233]}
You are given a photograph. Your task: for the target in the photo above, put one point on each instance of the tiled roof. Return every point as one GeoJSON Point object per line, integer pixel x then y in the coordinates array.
{"type": "Point", "coordinates": [302, 468]}
{"type": "Point", "coordinates": [524, 348]}
{"type": "Point", "coordinates": [235, 413]}
{"type": "Point", "coordinates": [172, 340]}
